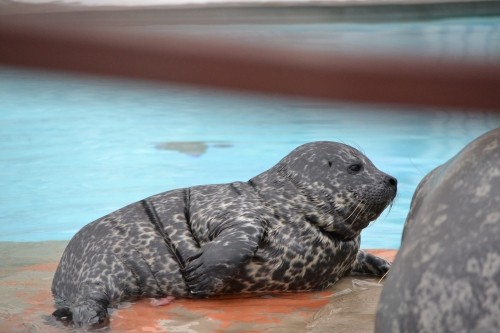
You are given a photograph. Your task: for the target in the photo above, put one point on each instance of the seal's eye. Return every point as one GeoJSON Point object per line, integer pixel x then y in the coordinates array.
{"type": "Point", "coordinates": [355, 167]}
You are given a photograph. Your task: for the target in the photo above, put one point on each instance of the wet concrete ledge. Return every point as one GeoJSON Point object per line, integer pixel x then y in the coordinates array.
{"type": "Point", "coordinates": [27, 269]}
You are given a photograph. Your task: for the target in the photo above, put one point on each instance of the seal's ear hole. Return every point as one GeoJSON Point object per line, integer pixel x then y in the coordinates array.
{"type": "Point", "coordinates": [330, 164]}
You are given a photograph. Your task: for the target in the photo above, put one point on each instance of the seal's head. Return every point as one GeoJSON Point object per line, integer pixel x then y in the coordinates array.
{"type": "Point", "coordinates": [344, 186]}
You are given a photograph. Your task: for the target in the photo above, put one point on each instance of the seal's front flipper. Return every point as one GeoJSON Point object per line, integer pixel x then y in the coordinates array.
{"type": "Point", "coordinates": [367, 263]}
{"type": "Point", "coordinates": [208, 270]}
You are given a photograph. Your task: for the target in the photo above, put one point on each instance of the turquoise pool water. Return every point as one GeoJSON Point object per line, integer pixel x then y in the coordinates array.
{"type": "Point", "coordinates": [74, 148]}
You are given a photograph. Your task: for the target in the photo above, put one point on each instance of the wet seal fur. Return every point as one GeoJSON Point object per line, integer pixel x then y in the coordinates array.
{"type": "Point", "coordinates": [446, 275]}
{"type": "Point", "coordinates": [295, 227]}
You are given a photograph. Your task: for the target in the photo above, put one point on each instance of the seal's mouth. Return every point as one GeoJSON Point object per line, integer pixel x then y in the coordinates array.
{"type": "Point", "coordinates": [362, 214]}
{"type": "Point", "coordinates": [362, 209]}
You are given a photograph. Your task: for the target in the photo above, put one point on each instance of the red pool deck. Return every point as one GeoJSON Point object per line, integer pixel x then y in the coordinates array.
{"type": "Point", "coordinates": [26, 272]}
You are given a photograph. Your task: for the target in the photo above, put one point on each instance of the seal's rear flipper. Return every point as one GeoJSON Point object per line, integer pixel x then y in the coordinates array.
{"type": "Point", "coordinates": [87, 313]}
{"type": "Point", "coordinates": [63, 315]}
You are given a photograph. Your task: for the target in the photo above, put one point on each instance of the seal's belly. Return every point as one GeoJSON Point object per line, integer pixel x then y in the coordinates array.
{"type": "Point", "coordinates": [295, 260]}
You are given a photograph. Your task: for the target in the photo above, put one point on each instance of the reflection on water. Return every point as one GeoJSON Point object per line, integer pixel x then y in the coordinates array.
{"type": "Point", "coordinates": [74, 149]}
{"type": "Point", "coordinates": [192, 148]}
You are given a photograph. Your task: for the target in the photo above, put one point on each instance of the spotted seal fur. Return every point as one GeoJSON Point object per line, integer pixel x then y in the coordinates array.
{"type": "Point", "coordinates": [446, 275]}
{"type": "Point", "coordinates": [295, 227]}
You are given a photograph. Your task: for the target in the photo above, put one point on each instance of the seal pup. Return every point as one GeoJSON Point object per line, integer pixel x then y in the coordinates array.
{"type": "Point", "coordinates": [295, 227]}
{"type": "Point", "coordinates": [446, 275]}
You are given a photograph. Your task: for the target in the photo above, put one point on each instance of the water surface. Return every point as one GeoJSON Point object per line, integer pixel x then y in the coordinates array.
{"type": "Point", "coordinates": [74, 149]}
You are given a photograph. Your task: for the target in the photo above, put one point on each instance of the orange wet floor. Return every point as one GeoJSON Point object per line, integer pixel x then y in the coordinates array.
{"type": "Point", "coordinates": [349, 306]}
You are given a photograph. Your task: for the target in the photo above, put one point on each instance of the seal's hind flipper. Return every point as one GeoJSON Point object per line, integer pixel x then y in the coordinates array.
{"type": "Point", "coordinates": [367, 263]}
{"type": "Point", "coordinates": [63, 315]}
{"type": "Point", "coordinates": [90, 313]}
{"type": "Point", "coordinates": [87, 313]}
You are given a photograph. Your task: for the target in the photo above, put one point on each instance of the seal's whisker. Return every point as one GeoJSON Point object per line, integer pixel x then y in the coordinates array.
{"type": "Point", "coordinates": [383, 277]}
{"type": "Point", "coordinates": [360, 208]}
{"type": "Point", "coordinates": [360, 212]}
{"type": "Point", "coordinates": [357, 211]}
{"type": "Point", "coordinates": [356, 206]}
{"type": "Point", "coordinates": [359, 147]}
{"type": "Point", "coordinates": [390, 207]}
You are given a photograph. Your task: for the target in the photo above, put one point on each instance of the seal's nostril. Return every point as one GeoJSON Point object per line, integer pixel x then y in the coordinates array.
{"type": "Point", "coordinates": [392, 181]}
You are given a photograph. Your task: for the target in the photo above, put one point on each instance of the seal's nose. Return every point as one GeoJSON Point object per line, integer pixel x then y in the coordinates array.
{"type": "Point", "coordinates": [391, 181]}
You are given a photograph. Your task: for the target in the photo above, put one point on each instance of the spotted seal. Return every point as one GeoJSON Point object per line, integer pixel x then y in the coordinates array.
{"type": "Point", "coordinates": [446, 275]}
{"type": "Point", "coordinates": [294, 227]}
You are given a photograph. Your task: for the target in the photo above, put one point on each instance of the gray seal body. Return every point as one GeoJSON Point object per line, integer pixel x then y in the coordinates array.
{"type": "Point", "coordinates": [446, 275]}
{"type": "Point", "coordinates": [295, 227]}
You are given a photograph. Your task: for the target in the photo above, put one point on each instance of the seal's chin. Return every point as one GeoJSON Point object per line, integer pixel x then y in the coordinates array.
{"type": "Point", "coordinates": [339, 232]}
{"type": "Point", "coordinates": [360, 214]}
{"type": "Point", "coordinates": [350, 219]}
